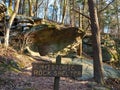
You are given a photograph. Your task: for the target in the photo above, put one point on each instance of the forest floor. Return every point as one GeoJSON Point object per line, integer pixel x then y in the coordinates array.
{"type": "Point", "coordinates": [23, 80]}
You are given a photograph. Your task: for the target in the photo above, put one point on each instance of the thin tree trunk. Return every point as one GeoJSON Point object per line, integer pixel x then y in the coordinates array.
{"type": "Point", "coordinates": [10, 8]}
{"type": "Point", "coordinates": [79, 50]}
{"type": "Point", "coordinates": [54, 12]}
{"type": "Point", "coordinates": [117, 15]}
{"type": "Point", "coordinates": [10, 3]}
{"type": "Point", "coordinates": [80, 17]}
{"type": "Point", "coordinates": [36, 8]}
{"type": "Point", "coordinates": [23, 7]}
{"type": "Point", "coordinates": [30, 8]}
{"type": "Point", "coordinates": [10, 23]}
{"type": "Point", "coordinates": [64, 10]}
{"type": "Point", "coordinates": [100, 14]}
{"type": "Point", "coordinates": [60, 18]}
{"type": "Point", "coordinates": [97, 54]}
{"type": "Point", "coordinates": [46, 7]}
{"type": "Point", "coordinates": [73, 14]}
{"type": "Point", "coordinates": [83, 11]}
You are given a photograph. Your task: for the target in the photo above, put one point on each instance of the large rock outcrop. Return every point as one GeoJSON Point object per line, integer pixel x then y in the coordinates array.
{"type": "Point", "coordinates": [109, 46]}
{"type": "Point", "coordinates": [51, 39]}
{"type": "Point", "coordinates": [87, 69]}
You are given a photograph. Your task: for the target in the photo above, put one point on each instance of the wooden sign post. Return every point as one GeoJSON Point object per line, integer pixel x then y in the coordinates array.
{"type": "Point", "coordinates": [57, 79]}
{"type": "Point", "coordinates": [56, 70]}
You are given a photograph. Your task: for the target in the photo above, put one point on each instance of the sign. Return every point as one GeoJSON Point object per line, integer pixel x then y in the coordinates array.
{"type": "Point", "coordinates": [56, 70]}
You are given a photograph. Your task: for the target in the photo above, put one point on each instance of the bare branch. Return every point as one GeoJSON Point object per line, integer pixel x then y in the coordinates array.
{"type": "Point", "coordinates": [38, 6]}
{"type": "Point", "coordinates": [81, 14]}
{"type": "Point", "coordinates": [106, 6]}
{"type": "Point", "coordinates": [10, 23]}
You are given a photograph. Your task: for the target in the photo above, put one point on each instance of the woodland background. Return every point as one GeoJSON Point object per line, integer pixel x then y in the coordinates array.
{"type": "Point", "coordinates": [84, 29]}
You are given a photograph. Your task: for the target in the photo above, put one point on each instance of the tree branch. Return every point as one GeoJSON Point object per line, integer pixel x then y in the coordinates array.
{"type": "Point", "coordinates": [106, 6]}
{"type": "Point", "coordinates": [10, 23]}
{"type": "Point", "coordinates": [81, 14]}
{"type": "Point", "coordinates": [38, 7]}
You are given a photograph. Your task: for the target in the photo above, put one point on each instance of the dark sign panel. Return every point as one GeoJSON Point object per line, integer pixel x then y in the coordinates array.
{"type": "Point", "coordinates": [56, 70]}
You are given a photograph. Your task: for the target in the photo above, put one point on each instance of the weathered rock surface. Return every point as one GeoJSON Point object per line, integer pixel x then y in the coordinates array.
{"type": "Point", "coordinates": [51, 39]}
{"type": "Point", "coordinates": [109, 71]}
{"type": "Point", "coordinates": [110, 48]}
{"type": "Point", "coordinates": [87, 71]}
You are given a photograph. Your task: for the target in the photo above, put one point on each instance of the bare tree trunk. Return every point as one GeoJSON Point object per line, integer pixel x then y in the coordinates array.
{"type": "Point", "coordinates": [10, 10]}
{"type": "Point", "coordinates": [20, 7]}
{"type": "Point", "coordinates": [117, 15]}
{"type": "Point", "coordinates": [30, 8]}
{"type": "Point", "coordinates": [97, 54]}
{"type": "Point", "coordinates": [61, 1]}
{"type": "Point", "coordinates": [10, 24]}
{"type": "Point", "coordinates": [54, 14]}
{"type": "Point", "coordinates": [100, 14]}
{"type": "Point", "coordinates": [83, 18]}
{"type": "Point", "coordinates": [64, 10]}
{"type": "Point", "coordinates": [80, 17]}
{"type": "Point", "coordinates": [72, 13]}
{"type": "Point", "coordinates": [36, 8]}
{"type": "Point", "coordinates": [46, 7]}
{"type": "Point", "coordinates": [23, 7]}
{"type": "Point", "coordinates": [10, 3]}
